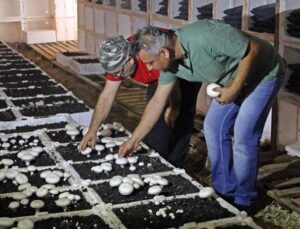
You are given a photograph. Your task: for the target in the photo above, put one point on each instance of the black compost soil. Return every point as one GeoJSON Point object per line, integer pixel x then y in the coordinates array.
{"type": "Point", "coordinates": [21, 72]}
{"type": "Point", "coordinates": [17, 61]}
{"type": "Point", "coordinates": [74, 222]}
{"type": "Point", "coordinates": [34, 91]}
{"type": "Point", "coordinates": [53, 110]}
{"type": "Point", "coordinates": [28, 84]}
{"type": "Point", "coordinates": [22, 143]}
{"type": "Point", "coordinates": [62, 137]}
{"type": "Point", "coordinates": [15, 66]}
{"type": "Point", "coordinates": [42, 160]}
{"type": "Point", "coordinates": [185, 211]}
{"type": "Point", "coordinates": [23, 78]}
{"type": "Point", "coordinates": [50, 100]}
{"type": "Point", "coordinates": [70, 152]}
{"type": "Point", "coordinates": [50, 206]}
{"type": "Point", "coordinates": [178, 185]}
{"type": "Point", "coordinates": [151, 165]}
{"type": "Point", "coordinates": [7, 116]}
{"type": "Point", "coordinates": [87, 61]}
{"type": "Point", "coordinates": [27, 128]}
{"type": "Point", "coordinates": [3, 104]}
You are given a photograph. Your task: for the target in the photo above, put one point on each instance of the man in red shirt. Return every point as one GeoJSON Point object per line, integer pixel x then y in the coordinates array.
{"type": "Point", "coordinates": [171, 134]}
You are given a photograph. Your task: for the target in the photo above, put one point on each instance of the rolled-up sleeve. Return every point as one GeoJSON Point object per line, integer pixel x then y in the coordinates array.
{"type": "Point", "coordinates": [166, 78]}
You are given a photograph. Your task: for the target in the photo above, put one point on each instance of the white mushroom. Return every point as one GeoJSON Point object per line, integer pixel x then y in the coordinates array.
{"type": "Point", "coordinates": [27, 193]}
{"type": "Point", "coordinates": [4, 139]}
{"type": "Point", "coordinates": [26, 224]}
{"type": "Point", "coordinates": [99, 148]}
{"type": "Point", "coordinates": [23, 187]}
{"type": "Point", "coordinates": [37, 204]}
{"type": "Point", "coordinates": [45, 173]}
{"type": "Point", "coordinates": [116, 156]}
{"type": "Point", "coordinates": [73, 133]}
{"type": "Point", "coordinates": [154, 190]}
{"type": "Point", "coordinates": [210, 90]}
{"type": "Point", "coordinates": [48, 186]}
{"type": "Point", "coordinates": [11, 173]}
{"type": "Point", "coordinates": [106, 166]}
{"type": "Point", "coordinates": [126, 189]}
{"type": "Point", "coordinates": [6, 222]}
{"type": "Point", "coordinates": [127, 180]}
{"type": "Point", "coordinates": [105, 133]}
{"type": "Point", "coordinates": [110, 146]}
{"type": "Point", "coordinates": [121, 161]}
{"type": "Point", "coordinates": [21, 178]}
{"type": "Point", "coordinates": [27, 157]}
{"type": "Point", "coordinates": [106, 140]}
{"type": "Point", "coordinates": [14, 205]}
{"type": "Point", "coordinates": [31, 168]}
{"type": "Point", "coordinates": [19, 196]}
{"type": "Point", "coordinates": [2, 174]}
{"type": "Point", "coordinates": [115, 181]}
{"type": "Point", "coordinates": [132, 160]}
{"type": "Point", "coordinates": [87, 151]}
{"type": "Point", "coordinates": [63, 202]}
{"type": "Point", "coordinates": [24, 201]}
{"type": "Point", "coordinates": [58, 173]}
{"type": "Point", "coordinates": [41, 192]}
{"type": "Point", "coordinates": [163, 182]}
{"type": "Point", "coordinates": [5, 145]}
{"type": "Point", "coordinates": [70, 126]}
{"type": "Point", "coordinates": [97, 169]}
{"type": "Point", "coordinates": [109, 157]}
{"type": "Point", "coordinates": [132, 168]}
{"type": "Point", "coordinates": [7, 162]}
{"type": "Point", "coordinates": [63, 195]}
{"type": "Point", "coordinates": [206, 192]}
{"type": "Point", "coordinates": [52, 178]}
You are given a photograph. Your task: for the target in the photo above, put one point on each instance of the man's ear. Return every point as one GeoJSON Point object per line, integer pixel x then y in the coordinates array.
{"type": "Point", "coordinates": [165, 52]}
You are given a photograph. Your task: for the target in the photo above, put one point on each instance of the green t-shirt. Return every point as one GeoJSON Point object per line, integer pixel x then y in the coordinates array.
{"type": "Point", "coordinates": [213, 51]}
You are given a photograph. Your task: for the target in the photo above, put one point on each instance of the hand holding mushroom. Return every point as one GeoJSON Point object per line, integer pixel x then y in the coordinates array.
{"type": "Point", "coordinates": [128, 148]}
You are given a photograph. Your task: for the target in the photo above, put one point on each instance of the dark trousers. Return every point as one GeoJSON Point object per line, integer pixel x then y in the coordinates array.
{"type": "Point", "coordinates": [173, 143]}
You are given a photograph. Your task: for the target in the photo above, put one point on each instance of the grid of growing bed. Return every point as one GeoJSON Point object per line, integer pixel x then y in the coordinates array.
{"type": "Point", "coordinates": [27, 91]}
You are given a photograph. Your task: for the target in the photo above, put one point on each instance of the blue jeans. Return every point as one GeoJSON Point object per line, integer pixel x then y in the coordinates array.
{"type": "Point", "coordinates": [234, 163]}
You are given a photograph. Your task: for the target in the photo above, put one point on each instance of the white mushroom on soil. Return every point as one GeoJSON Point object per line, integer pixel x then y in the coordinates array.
{"type": "Point", "coordinates": [126, 189]}
{"type": "Point", "coordinates": [121, 161]}
{"type": "Point", "coordinates": [63, 202]}
{"type": "Point", "coordinates": [106, 166]}
{"type": "Point", "coordinates": [7, 162]}
{"type": "Point", "coordinates": [14, 205]}
{"type": "Point", "coordinates": [52, 178]}
{"type": "Point", "coordinates": [115, 181]}
{"type": "Point", "coordinates": [97, 169]}
{"type": "Point", "coordinates": [31, 169]}
{"type": "Point", "coordinates": [110, 146]}
{"type": "Point", "coordinates": [105, 133]}
{"type": "Point", "coordinates": [154, 190]}
{"type": "Point", "coordinates": [11, 174]}
{"type": "Point", "coordinates": [73, 133]}
{"type": "Point", "coordinates": [5, 145]}
{"type": "Point", "coordinates": [87, 151]}
{"type": "Point", "coordinates": [99, 148]}
{"type": "Point", "coordinates": [21, 178]}
{"type": "Point", "coordinates": [37, 205]}
{"type": "Point", "coordinates": [41, 192]}
{"type": "Point", "coordinates": [25, 224]}
{"type": "Point", "coordinates": [6, 222]}
{"type": "Point", "coordinates": [70, 126]}
{"type": "Point", "coordinates": [206, 192]}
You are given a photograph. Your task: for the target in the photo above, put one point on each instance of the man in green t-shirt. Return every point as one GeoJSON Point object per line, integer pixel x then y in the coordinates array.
{"type": "Point", "coordinates": [250, 73]}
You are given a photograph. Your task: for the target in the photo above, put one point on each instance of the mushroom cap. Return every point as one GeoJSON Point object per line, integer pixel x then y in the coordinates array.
{"type": "Point", "coordinates": [7, 161]}
{"type": "Point", "coordinates": [97, 169]}
{"type": "Point", "coordinates": [27, 157]}
{"type": "Point", "coordinates": [41, 192]}
{"type": "Point", "coordinates": [37, 149]}
{"type": "Point", "coordinates": [23, 187]}
{"type": "Point", "coordinates": [31, 168]}
{"type": "Point", "coordinates": [132, 168]}
{"type": "Point", "coordinates": [11, 173]}
{"type": "Point", "coordinates": [14, 205]}
{"type": "Point", "coordinates": [24, 201]}
{"type": "Point", "coordinates": [37, 204]}
{"type": "Point", "coordinates": [19, 196]}
{"type": "Point", "coordinates": [6, 222]}
{"type": "Point", "coordinates": [72, 132]}
{"type": "Point", "coordinates": [25, 224]}
{"type": "Point", "coordinates": [206, 192]}
{"type": "Point", "coordinates": [109, 157]}
{"type": "Point", "coordinates": [105, 133]}
{"type": "Point", "coordinates": [5, 144]}
{"type": "Point", "coordinates": [163, 181]}
{"type": "Point", "coordinates": [107, 140]}
{"type": "Point", "coordinates": [121, 161]}
{"type": "Point", "coordinates": [58, 173]}
{"type": "Point", "coordinates": [115, 181]}
{"type": "Point", "coordinates": [154, 190]}
{"type": "Point", "coordinates": [2, 174]}
{"type": "Point", "coordinates": [110, 145]}
{"type": "Point", "coordinates": [52, 178]}
{"type": "Point", "coordinates": [70, 126]}
{"type": "Point", "coordinates": [99, 147]}
{"type": "Point", "coordinates": [63, 202]}
{"type": "Point", "coordinates": [106, 166]}
{"type": "Point", "coordinates": [87, 151]}
{"type": "Point", "coordinates": [126, 189]}
{"type": "Point", "coordinates": [132, 160]}
{"type": "Point", "coordinates": [45, 173]}
{"type": "Point", "coordinates": [21, 178]}
{"type": "Point", "coordinates": [210, 90]}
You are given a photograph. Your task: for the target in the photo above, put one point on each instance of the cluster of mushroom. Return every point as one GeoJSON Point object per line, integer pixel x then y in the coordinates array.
{"type": "Point", "coordinates": [127, 185]}
{"type": "Point", "coordinates": [54, 177]}
{"type": "Point", "coordinates": [29, 155]}
{"type": "Point", "coordinates": [6, 222]}
{"type": "Point", "coordinates": [13, 175]}
{"type": "Point", "coordinates": [6, 142]}
{"type": "Point", "coordinates": [65, 199]}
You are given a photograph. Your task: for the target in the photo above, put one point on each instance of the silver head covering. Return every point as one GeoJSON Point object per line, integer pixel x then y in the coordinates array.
{"type": "Point", "coordinates": [114, 53]}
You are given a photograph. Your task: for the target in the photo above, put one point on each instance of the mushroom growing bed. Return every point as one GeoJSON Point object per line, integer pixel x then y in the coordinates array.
{"type": "Point", "coordinates": [45, 182]}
